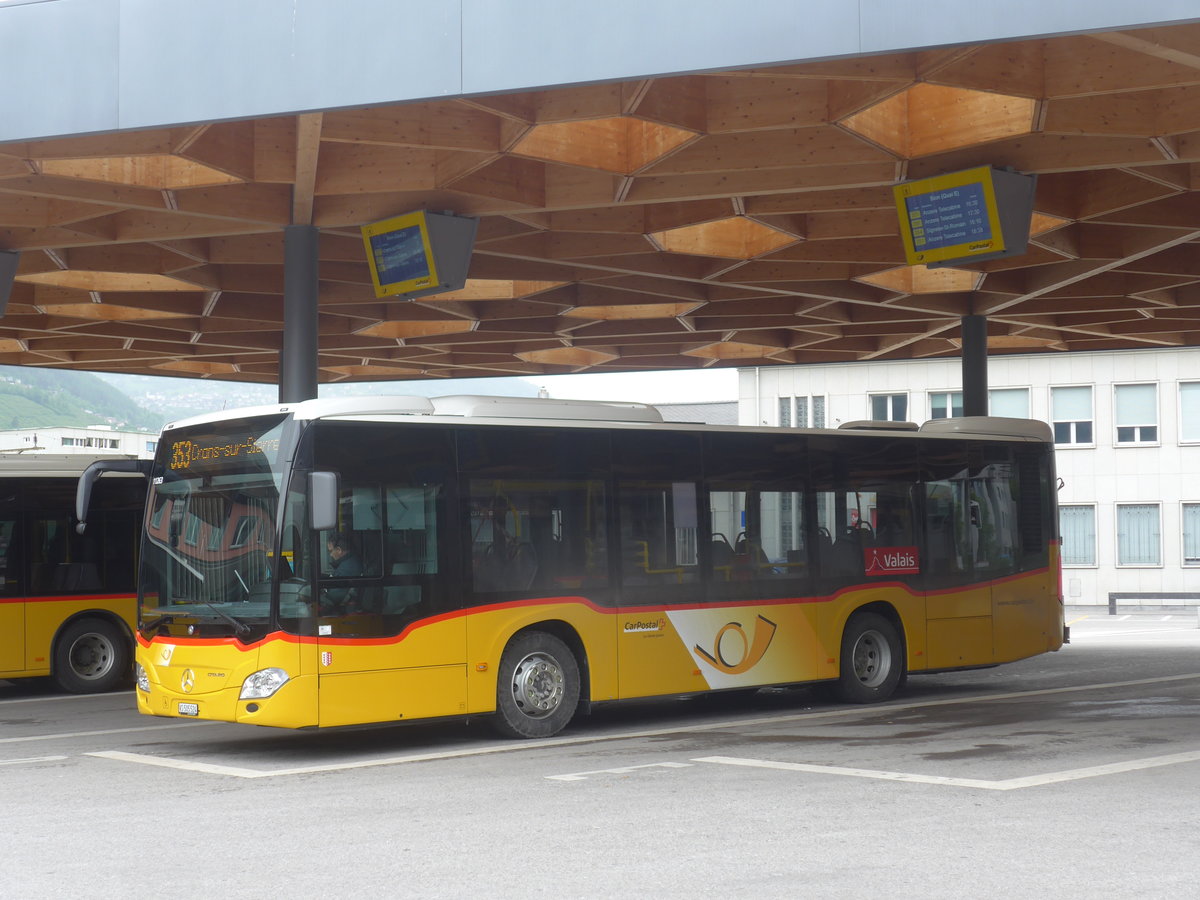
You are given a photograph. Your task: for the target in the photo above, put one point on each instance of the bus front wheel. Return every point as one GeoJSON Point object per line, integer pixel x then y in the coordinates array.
{"type": "Point", "coordinates": [872, 662]}
{"type": "Point", "coordinates": [538, 687]}
{"type": "Point", "coordinates": [91, 656]}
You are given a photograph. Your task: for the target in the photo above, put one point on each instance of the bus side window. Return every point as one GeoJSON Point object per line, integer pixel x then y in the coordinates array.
{"type": "Point", "coordinates": [950, 539]}
{"type": "Point", "coordinates": [49, 550]}
{"type": "Point", "coordinates": [658, 532]}
{"type": "Point", "coordinates": [10, 554]}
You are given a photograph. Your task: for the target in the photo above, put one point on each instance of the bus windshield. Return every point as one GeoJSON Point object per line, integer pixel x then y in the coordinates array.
{"type": "Point", "coordinates": [209, 540]}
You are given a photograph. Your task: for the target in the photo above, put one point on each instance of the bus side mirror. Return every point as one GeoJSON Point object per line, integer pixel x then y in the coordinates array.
{"type": "Point", "coordinates": [323, 500]}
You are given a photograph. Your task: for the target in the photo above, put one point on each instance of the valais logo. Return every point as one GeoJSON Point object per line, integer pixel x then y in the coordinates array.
{"type": "Point", "coordinates": [890, 560]}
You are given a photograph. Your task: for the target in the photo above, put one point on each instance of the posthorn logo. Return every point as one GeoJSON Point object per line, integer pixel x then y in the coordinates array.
{"type": "Point", "coordinates": [733, 656]}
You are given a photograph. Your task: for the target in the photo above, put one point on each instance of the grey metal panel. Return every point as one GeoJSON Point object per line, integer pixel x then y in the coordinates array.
{"type": "Point", "coordinates": [58, 65]}
{"type": "Point", "coordinates": [571, 41]}
{"type": "Point", "coordinates": [184, 61]}
{"type": "Point", "coordinates": [80, 66]}
{"type": "Point", "coordinates": [893, 25]}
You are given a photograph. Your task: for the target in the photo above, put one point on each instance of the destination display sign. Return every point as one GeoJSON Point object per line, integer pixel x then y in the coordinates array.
{"type": "Point", "coordinates": [255, 444]}
{"type": "Point", "coordinates": [950, 217]}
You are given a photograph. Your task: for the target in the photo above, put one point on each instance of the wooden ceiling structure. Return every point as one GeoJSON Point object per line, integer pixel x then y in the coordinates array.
{"type": "Point", "coordinates": [739, 218]}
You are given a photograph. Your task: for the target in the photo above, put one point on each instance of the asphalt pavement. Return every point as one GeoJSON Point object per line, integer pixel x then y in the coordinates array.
{"type": "Point", "coordinates": [1072, 774]}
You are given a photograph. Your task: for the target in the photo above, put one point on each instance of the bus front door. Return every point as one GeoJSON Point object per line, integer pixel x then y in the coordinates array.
{"type": "Point", "coordinates": [377, 666]}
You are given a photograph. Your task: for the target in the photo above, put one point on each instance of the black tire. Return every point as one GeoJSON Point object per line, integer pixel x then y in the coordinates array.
{"type": "Point", "coordinates": [537, 691]}
{"type": "Point", "coordinates": [91, 656]}
{"type": "Point", "coordinates": [872, 661]}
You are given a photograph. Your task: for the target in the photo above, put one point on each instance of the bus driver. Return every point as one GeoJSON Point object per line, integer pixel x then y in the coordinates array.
{"type": "Point", "coordinates": [343, 564]}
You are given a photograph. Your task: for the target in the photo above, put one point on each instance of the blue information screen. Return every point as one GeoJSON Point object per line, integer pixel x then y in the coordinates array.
{"type": "Point", "coordinates": [399, 255]}
{"type": "Point", "coordinates": [948, 217]}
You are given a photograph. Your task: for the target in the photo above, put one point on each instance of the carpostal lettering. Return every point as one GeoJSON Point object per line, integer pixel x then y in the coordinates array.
{"type": "Point", "coordinates": [632, 627]}
{"type": "Point", "coordinates": [186, 453]}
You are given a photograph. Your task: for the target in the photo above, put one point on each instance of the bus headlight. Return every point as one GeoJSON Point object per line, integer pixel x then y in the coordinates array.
{"type": "Point", "coordinates": [143, 680]}
{"type": "Point", "coordinates": [263, 683]}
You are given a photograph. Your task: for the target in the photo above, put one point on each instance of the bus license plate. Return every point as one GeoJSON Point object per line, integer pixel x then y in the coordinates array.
{"type": "Point", "coordinates": [189, 709]}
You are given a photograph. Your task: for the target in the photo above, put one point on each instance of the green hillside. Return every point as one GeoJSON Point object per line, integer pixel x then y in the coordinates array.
{"type": "Point", "coordinates": [34, 398]}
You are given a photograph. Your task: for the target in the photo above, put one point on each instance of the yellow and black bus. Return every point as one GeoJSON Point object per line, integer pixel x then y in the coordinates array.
{"type": "Point", "coordinates": [67, 601]}
{"type": "Point", "coordinates": [338, 562]}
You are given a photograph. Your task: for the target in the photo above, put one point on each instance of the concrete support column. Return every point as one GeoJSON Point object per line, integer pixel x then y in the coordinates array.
{"type": "Point", "coordinates": [974, 365]}
{"type": "Point", "coordinates": [298, 359]}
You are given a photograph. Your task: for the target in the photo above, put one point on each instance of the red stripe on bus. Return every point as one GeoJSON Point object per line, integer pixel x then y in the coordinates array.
{"type": "Point", "coordinates": [63, 598]}
{"type": "Point", "coordinates": [329, 640]}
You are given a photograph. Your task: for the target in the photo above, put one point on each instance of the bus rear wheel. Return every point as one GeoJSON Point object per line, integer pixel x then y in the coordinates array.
{"type": "Point", "coordinates": [872, 662]}
{"type": "Point", "coordinates": [91, 656]}
{"type": "Point", "coordinates": [538, 687]}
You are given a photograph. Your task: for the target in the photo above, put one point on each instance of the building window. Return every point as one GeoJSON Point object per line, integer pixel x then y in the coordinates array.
{"type": "Point", "coordinates": [151, 446]}
{"type": "Point", "coordinates": [1011, 403]}
{"type": "Point", "coordinates": [1135, 413]}
{"type": "Point", "coordinates": [1077, 525]}
{"type": "Point", "coordinates": [1191, 534]}
{"type": "Point", "coordinates": [809, 411]}
{"type": "Point", "coordinates": [68, 442]}
{"type": "Point", "coordinates": [1139, 535]}
{"type": "Point", "coordinates": [946, 405]}
{"type": "Point", "coordinates": [1189, 412]}
{"type": "Point", "coordinates": [1071, 411]}
{"type": "Point", "coordinates": [889, 407]}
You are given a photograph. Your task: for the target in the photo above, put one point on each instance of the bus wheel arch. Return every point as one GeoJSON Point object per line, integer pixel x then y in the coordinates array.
{"type": "Point", "coordinates": [872, 662]}
{"type": "Point", "coordinates": [92, 653]}
{"type": "Point", "coordinates": [539, 682]}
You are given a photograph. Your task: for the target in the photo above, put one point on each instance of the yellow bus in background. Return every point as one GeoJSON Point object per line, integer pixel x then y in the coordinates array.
{"type": "Point", "coordinates": [67, 601]}
{"type": "Point", "coordinates": [367, 560]}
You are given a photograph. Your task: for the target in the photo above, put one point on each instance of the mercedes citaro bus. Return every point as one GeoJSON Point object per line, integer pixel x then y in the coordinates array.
{"type": "Point", "coordinates": [338, 562]}
{"type": "Point", "coordinates": [67, 604]}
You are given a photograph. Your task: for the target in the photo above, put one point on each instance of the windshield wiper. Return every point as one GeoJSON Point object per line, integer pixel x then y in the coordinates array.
{"type": "Point", "coordinates": [239, 626]}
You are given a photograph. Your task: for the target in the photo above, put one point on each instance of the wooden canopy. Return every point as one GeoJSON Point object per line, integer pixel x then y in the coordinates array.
{"type": "Point", "coordinates": [726, 219]}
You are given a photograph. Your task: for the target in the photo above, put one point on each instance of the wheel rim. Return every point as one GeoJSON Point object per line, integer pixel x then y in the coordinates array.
{"type": "Point", "coordinates": [91, 656]}
{"type": "Point", "coordinates": [872, 659]}
{"type": "Point", "coordinates": [538, 685]}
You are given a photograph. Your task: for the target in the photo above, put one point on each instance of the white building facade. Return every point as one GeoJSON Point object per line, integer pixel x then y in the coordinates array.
{"type": "Point", "coordinates": [89, 439]}
{"type": "Point", "coordinates": [1127, 433]}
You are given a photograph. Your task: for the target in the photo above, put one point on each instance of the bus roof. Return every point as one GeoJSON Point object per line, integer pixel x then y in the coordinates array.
{"type": "Point", "coordinates": [458, 405]}
{"type": "Point", "coordinates": [51, 465]}
{"type": "Point", "coordinates": [565, 412]}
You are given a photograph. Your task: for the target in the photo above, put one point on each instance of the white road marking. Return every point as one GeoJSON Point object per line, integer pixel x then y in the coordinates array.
{"type": "Point", "coordinates": [51, 698]}
{"type": "Point", "coordinates": [620, 770]}
{"type": "Point", "coordinates": [30, 759]}
{"type": "Point", "coordinates": [882, 709]}
{"type": "Point", "coordinates": [1008, 784]}
{"type": "Point", "coordinates": [76, 734]}
{"type": "Point", "coordinates": [1078, 639]}
{"type": "Point", "coordinates": [1121, 618]}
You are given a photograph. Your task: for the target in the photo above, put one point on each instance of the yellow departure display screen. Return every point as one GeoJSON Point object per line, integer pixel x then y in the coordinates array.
{"type": "Point", "coordinates": [949, 217]}
{"type": "Point", "coordinates": [399, 255]}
